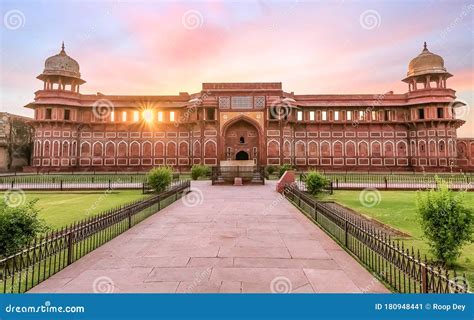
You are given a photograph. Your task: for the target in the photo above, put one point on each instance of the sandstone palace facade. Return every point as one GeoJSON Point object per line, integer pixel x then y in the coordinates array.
{"type": "Point", "coordinates": [415, 130]}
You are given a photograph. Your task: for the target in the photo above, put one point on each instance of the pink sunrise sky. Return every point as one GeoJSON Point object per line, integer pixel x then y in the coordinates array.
{"type": "Point", "coordinates": [164, 47]}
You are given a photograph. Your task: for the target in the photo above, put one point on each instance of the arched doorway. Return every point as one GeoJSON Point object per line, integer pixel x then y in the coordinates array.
{"type": "Point", "coordinates": [241, 140]}
{"type": "Point", "coordinates": [242, 155]}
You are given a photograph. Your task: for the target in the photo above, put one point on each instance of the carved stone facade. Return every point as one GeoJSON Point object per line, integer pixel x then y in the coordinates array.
{"type": "Point", "coordinates": [260, 121]}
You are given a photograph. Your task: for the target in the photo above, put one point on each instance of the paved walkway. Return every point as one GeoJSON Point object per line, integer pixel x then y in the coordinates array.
{"type": "Point", "coordinates": [221, 239]}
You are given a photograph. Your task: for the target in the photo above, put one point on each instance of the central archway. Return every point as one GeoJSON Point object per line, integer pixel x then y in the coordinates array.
{"type": "Point", "coordinates": [242, 155]}
{"type": "Point", "coordinates": [242, 139]}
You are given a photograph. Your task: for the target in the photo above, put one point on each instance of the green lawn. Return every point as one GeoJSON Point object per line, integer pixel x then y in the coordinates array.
{"type": "Point", "coordinates": [59, 209]}
{"type": "Point", "coordinates": [397, 209]}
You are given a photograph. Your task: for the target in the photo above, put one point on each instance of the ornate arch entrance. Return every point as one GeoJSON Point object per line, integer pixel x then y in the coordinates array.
{"type": "Point", "coordinates": [242, 155]}
{"type": "Point", "coordinates": [241, 141]}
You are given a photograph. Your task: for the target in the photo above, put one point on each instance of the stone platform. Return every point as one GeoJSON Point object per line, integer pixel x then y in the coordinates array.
{"type": "Point", "coordinates": [219, 239]}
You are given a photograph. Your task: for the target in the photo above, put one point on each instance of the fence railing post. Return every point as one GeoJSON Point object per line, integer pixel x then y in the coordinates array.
{"type": "Point", "coordinates": [316, 211]}
{"type": "Point", "coordinates": [424, 279]}
{"type": "Point", "coordinates": [61, 185]}
{"type": "Point", "coordinates": [386, 183]}
{"type": "Point", "coordinates": [129, 213]}
{"type": "Point", "coordinates": [345, 233]}
{"type": "Point", "coordinates": [70, 247]}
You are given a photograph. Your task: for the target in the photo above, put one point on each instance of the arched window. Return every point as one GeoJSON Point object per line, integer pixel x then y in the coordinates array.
{"type": "Point", "coordinates": [363, 149]}
{"type": "Point", "coordinates": [350, 149]}
{"type": "Point", "coordinates": [337, 149]}
{"type": "Point", "coordinates": [122, 149]}
{"type": "Point", "coordinates": [300, 149]}
{"type": "Point", "coordinates": [171, 149]}
{"type": "Point", "coordinates": [313, 149]}
{"type": "Point", "coordinates": [273, 149]}
{"type": "Point", "coordinates": [183, 149]}
{"type": "Point", "coordinates": [85, 149]}
{"type": "Point", "coordinates": [65, 150]}
{"type": "Point", "coordinates": [146, 149]}
{"type": "Point", "coordinates": [110, 149]}
{"type": "Point", "coordinates": [159, 149]}
{"type": "Point", "coordinates": [134, 149]}
{"type": "Point", "coordinates": [325, 149]}
{"type": "Point", "coordinates": [97, 149]}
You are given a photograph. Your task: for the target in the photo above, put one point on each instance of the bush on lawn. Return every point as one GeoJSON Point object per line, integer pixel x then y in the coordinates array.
{"type": "Point", "coordinates": [199, 170]}
{"type": "Point", "coordinates": [19, 225]}
{"type": "Point", "coordinates": [269, 170]}
{"type": "Point", "coordinates": [284, 168]}
{"type": "Point", "coordinates": [315, 182]}
{"type": "Point", "coordinates": [447, 223]}
{"type": "Point", "coordinates": [160, 178]}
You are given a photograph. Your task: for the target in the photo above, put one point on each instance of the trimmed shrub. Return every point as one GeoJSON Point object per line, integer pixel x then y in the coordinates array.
{"type": "Point", "coordinates": [446, 222]}
{"type": "Point", "coordinates": [19, 225]}
{"type": "Point", "coordinates": [199, 170]}
{"type": "Point", "coordinates": [315, 182]}
{"type": "Point", "coordinates": [269, 170]}
{"type": "Point", "coordinates": [284, 168]}
{"type": "Point", "coordinates": [160, 178]}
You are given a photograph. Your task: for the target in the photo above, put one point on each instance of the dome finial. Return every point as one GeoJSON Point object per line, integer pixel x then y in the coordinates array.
{"type": "Point", "coordinates": [425, 47]}
{"type": "Point", "coordinates": [62, 48]}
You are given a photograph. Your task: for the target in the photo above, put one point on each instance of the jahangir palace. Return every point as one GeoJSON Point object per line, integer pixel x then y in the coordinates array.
{"type": "Point", "coordinates": [412, 131]}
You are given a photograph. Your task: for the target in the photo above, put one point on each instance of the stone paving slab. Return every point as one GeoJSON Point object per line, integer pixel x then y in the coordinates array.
{"type": "Point", "coordinates": [232, 239]}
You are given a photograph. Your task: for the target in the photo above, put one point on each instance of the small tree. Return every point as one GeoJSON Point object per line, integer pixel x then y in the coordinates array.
{"type": "Point", "coordinates": [284, 168]}
{"type": "Point", "coordinates": [446, 222]}
{"type": "Point", "coordinates": [316, 182]}
{"type": "Point", "coordinates": [199, 170]}
{"type": "Point", "coordinates": [270, 170]}
{"type": "Point", "coordinates": [160, 178]}
{"type": "Point", "coordinates": [19, 225]}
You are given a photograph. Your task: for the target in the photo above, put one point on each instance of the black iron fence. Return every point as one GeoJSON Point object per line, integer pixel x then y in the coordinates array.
{"type": "Point", "coordinates": [52, 252]}
{"type": "Point", "coordinates": [79, 182]}
{"type": "Point", "coordinates": [400, 267]}
{"type": "Point", "coordinates": [396, 181]}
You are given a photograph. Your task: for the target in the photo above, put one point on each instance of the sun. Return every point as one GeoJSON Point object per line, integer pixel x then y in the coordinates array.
{"type": "Point", "coordinates": [148, 115]}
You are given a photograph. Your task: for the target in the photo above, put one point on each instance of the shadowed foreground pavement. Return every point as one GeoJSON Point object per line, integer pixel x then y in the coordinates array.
{"type": "Point", "coordinates": [219, 239]}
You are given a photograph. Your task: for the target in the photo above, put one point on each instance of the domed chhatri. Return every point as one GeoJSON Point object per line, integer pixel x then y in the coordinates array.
{"type": "Point", "coordinates": [61, 69]}
{"type": "Point", "coordinates": [426, 62]}
{"type": "Point", "coordinates": [427, 68]}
